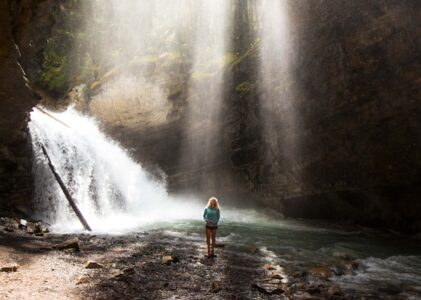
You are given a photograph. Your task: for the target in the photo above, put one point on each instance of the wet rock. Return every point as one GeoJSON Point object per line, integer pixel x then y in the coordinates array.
{"type": "Point", "coordinates": [69, 244]}
{"type": "Point", "coordinates": [10, 268]}
{"type": "Point", "coordinates": [216, 287]}
{"type": "Point", "coordinates": [92, 265]}
{"type": "Point", "coordinates": [166, 260]}
{"type": "Point", "coordinates": [219, 245]}
{"type": "Point", "coordinates": [321, 271]}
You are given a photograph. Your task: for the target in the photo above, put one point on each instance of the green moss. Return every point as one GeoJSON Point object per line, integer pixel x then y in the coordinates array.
{"type": "Point", "coordinates": [244, 87]}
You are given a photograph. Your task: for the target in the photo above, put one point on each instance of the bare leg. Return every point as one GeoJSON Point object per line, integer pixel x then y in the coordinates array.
{"type": "Point", "coordinates": [213, 240]}
{"type": "Point", "coordinates": [208, 238]}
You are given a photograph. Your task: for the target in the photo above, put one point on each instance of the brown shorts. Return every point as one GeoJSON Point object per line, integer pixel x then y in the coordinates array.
{"type": "Point", "coordinates": [211, 227]}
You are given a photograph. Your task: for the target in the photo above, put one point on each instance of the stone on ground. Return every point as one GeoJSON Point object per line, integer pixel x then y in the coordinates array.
{"type": "Point", "coordinates": [166, 260]}
{"type": "Point", "coordinates": [93, 265]}
{"type": "Point", "coordinates": [69, 244]}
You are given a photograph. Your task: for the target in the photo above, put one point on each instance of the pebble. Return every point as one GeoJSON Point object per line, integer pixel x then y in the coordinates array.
{"type": "Point", "coordinates": [166, 260]}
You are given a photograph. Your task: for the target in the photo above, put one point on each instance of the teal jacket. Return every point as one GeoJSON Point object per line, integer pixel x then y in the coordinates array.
{"type": "Point", "coordinates": [211, 216]}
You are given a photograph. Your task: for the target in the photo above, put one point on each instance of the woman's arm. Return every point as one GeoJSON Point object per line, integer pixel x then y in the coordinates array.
{"type": "Point", "coordinates": [204, 215]}
{"type": "Point", "coordinates": [218, 215]}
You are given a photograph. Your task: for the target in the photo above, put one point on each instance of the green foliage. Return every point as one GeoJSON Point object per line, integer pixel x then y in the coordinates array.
{"type": "Point", "coordinates": [66, 60]}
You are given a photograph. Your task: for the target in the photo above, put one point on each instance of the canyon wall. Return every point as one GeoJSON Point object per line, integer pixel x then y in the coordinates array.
{"type": "Point", "coordinates": [356, 131]}
{"type": "Point", "coordinates": [24, 29]}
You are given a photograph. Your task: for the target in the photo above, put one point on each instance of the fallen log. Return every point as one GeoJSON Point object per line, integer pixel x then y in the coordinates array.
{"type": "Point", "coordinates": [66, 191]}
{"type": "Point", "coordinates": [51, 116]}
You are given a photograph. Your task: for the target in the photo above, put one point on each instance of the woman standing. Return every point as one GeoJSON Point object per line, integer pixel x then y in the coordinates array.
{"type": "Point", "coordinates": [211, 216]}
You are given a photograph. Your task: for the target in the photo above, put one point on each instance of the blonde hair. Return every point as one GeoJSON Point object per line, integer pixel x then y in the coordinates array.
{"type": "Point", "coordinates": [210, 203]}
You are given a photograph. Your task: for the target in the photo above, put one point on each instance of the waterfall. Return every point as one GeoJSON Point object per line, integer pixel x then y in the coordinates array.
{"type": "Point", "coordinates": [113, 191]}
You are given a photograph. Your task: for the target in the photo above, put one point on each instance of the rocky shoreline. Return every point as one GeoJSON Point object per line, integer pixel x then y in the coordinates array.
{"type": "Point", "coordinates": [147, 265]}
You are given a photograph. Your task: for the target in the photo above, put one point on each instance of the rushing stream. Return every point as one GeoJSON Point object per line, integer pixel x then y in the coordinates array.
{"type": "Point", "coordinates": [117, 195]}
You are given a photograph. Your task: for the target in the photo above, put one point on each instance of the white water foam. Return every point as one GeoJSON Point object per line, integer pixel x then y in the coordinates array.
{"type": "Point", "coordinates": [114, 193]}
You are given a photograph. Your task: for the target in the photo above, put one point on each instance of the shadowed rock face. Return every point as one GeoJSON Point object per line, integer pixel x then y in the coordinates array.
{"type": "Point", "coordinates": [357, 154]}
{"type": "Point", "coordinates": [24, 28]}
{"type": "Point", "coordinates": [357, 129]}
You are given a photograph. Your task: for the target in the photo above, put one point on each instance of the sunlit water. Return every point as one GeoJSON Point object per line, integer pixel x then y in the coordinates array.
{"type": "Point", "coordinates": [389, 265]}
{"type": "Point", "coordinates": [117, 196]}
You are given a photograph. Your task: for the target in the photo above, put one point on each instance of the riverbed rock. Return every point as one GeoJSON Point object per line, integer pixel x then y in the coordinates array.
{"type": "Point", "coordinates": [69, 244]}
{"type": "Point", "coordinates": [93, 265]}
